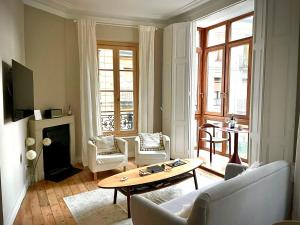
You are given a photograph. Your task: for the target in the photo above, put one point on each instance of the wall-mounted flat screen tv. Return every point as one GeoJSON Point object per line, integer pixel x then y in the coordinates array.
{"type": "Point", "coordinates": [22, 91]}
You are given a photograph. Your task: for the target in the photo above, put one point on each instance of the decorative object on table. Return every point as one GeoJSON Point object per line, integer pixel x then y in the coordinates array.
{"type": "Point", "coordinates": [32, 154]}
{"type": "Point", "coordinates": [53, 113]}
{"type": "Point", "coordinates": [205, 135]}
{"type": "Point", "coordinates": [144, 172]}
{"type": "Point", "coordinates": [232, 122]}
{"type": "Point", "coordinates": [155, 169]}
{"type": "Point", "coordinates": [37, 114]}
{"type": "Point", "coordinates": [69, 111]}
{"type": "Point", "coordinates": [177, 162]}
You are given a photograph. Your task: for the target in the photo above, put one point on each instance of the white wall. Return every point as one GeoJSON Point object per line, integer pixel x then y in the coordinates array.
{"type": "Point", "coordinates": [12, 134]}
{"type": "Point", "coordinates": [52, 53]}
{"type": "Point", "coordinates": [45, 55]}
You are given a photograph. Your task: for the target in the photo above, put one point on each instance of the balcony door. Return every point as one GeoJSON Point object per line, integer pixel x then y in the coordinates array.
{"type": "Point", "coordinates": [225, 55]}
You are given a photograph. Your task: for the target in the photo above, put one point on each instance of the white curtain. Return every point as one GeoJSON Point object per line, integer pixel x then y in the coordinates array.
{"type": "Point", "coordinates": [296, 200]}
{"type": "Point", "coordinates": [90, 111]}
{"type": "Point", "coordinates": [193, 82]}
{"type": "Point", "coordinates": [146, 78]}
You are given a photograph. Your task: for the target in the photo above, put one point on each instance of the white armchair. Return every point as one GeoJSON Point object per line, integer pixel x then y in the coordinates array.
{"type": "Point", "coordinates": [151, 157]}
{"type": "Point", "coordinates": [97, 163]}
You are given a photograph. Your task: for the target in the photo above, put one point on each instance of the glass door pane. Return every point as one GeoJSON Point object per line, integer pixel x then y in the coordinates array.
{"type": "Point", "coordinates": [214, 81]}
{"type": "Point", "coordinates": [238, 79]}
{"type": "Point", "coordinates": [106, 80]}
{"type": "Point", "coordinates": [126, 90]}
{"type": "Point", "coordinates": [216, 36]}
{"type": "Point", "coordinates": [241, 28]}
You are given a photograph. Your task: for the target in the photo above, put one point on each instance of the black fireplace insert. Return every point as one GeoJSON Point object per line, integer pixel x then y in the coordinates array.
{"type": "Point", "coordinates": [57, 160]}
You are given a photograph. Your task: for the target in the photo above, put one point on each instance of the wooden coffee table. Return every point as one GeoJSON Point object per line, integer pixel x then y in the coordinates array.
{"type": "Point", "coordinates": [136, 184]}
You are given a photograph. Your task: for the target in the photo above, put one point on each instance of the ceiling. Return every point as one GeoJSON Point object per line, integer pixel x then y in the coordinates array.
{"type": "Point", "coordinates": [147, 11]}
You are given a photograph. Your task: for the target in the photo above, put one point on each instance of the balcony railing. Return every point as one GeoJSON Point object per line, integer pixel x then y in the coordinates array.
{"type": "Point", "coordinates": [126, 121]}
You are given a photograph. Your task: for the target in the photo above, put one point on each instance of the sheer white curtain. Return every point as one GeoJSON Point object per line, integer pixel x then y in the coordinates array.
{"type": "Point", "coordinates": [90, 111]}
{"type": "Point", "coordinates": [296, 200]}
{"type": "Point", "coordinates": [146, 78]}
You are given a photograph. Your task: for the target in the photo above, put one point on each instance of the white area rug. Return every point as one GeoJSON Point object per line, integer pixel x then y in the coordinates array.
{"type": "Point", "coordinates": [96, 207]}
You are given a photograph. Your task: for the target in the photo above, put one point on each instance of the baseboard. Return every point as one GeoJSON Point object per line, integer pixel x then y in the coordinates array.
{"type": "Point", "coordinates": [14, 212]}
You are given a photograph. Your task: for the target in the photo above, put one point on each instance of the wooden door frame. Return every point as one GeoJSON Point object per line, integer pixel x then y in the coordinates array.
{"type": "Point", "coordinates": [123, 46]}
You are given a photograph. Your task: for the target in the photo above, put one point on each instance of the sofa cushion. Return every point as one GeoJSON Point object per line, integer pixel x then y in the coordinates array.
{"type": "Point", "coordinates": [176, 205]}
{"type": "Point", "coordinates": [151, 142]}
{"type": "Point", "coordinates": [110, 158]}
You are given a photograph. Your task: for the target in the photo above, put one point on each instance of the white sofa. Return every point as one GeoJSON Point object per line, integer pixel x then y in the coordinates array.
{"type": "Point", "coordinates": [258, 197]}
{"type": "Point", "coordinates": [108, 162]}
{"type": "Point", "coordinates": [151, 157]}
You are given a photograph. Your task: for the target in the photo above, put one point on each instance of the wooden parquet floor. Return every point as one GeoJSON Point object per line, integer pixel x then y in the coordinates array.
{"type": "Point", "coordinates": [44, 204]}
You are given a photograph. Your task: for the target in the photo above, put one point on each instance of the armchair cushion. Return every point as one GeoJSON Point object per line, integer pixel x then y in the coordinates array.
{"type": "Point", "coordinates": [151, 142]}
{"type": "Point", "coordinates": [106, 145]}
{"type": "Point", "coordinates": [152, 154]}
{"type": "Point", "coordinates": [110, 158]}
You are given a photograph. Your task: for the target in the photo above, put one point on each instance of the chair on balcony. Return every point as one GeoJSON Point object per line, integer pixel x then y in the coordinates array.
{"type": "Point", "coordinates": [107, 153]}
{"type": "Point", "coordinates": [212, 138]}
{"type": "Point", "coordinates": [151, 148]}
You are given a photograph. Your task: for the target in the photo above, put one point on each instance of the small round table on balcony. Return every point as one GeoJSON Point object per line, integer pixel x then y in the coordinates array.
{"type": "Point", "coordinates": [235, 157]}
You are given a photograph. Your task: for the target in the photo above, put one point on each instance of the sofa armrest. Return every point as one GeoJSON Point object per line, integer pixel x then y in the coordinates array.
{"type": "Point", "coordinates": [92, 156]}
{"type": "Point", "coordinates": [233, 170]}
{"type": "Point", "coordinates": [145, 212]}
{"type": "Point", "coordinates": [123, 146]}
{"type": "Point", "coordinates": [167, 144]}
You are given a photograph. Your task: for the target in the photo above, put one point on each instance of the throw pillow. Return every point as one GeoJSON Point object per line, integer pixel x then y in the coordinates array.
{"type": "Point", "coordinates": [106, 145]}
{"type": "Point", "coordinates": [253, 166]}
{"type": "Point", "coordinates": [151, 142]}
{"type": "Point", "coordinates": [185, 211]}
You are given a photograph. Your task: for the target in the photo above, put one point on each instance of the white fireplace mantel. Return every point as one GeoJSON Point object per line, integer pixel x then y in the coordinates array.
{"type": "Point", "coordinates": [36, 131]}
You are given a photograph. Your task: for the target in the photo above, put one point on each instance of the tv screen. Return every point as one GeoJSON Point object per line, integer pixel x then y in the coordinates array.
{"type": "Point", "coordinates": [22, 86]}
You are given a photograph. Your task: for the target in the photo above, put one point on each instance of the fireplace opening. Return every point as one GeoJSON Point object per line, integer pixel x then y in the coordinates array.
{"type": "Point", "coordinates": [57, 161]}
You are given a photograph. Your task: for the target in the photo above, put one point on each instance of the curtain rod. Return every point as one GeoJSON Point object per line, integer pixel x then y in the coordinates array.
{"type": "Point", "coordinates": [116, 25]}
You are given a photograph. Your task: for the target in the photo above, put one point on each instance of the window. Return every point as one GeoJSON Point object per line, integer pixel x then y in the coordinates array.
{"type": "Point", "coordinates": [225, 55]}
{"type": "Point", "coordinates": [117, 69]}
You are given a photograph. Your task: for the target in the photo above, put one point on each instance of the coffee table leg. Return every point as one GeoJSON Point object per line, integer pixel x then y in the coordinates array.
{"type": "Point", "coordinates": [195, 179]}
{"type": "Point", "coordinates": [128, 202]}
{"type": "Point", "coordinates": [115, 195]}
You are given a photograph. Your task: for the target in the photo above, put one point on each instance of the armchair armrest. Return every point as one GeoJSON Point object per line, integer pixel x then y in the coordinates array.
{"type": "Point", "coordinates": [92, 156]}
{"type": "Point", "coordinates": [145, 212]}
{"type": "Point", "coordinates": [123, 145]}
{"type": "Point", "coordinates": [233, 170]}
{"type": "Point", "coordinates": [137, 145]}
{"type": "Point", "coordinates": [167, 144]}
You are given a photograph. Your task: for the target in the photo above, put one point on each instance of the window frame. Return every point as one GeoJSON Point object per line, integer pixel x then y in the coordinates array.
{"type": "Point", "coordinates": [201, 114]}
{"type": "Point", "coordinates": [116, 47]}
